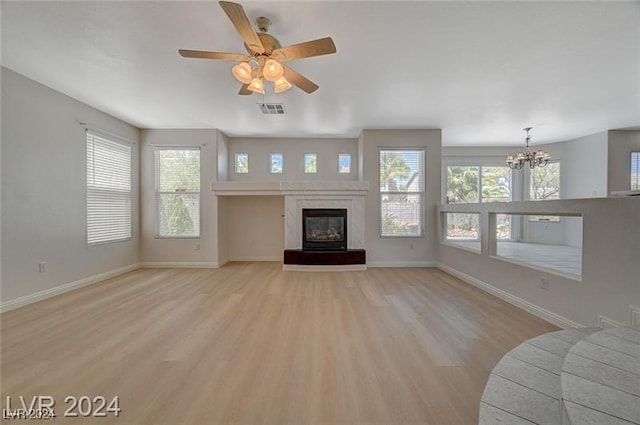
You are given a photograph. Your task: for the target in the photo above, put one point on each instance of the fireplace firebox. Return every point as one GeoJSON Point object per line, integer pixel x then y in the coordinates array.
{"type": "Point", "coordinates": [324, 229]}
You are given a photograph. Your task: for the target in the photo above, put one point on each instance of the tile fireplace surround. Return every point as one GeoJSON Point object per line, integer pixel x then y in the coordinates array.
{"type": "Point", "coordinates": [349, 195]}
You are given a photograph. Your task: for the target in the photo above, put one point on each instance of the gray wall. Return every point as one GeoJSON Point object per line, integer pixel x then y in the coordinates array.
{"type": "Point", "coordinates": [621, 144]}
{"type": "Point", "coordinates": [195, 252]}
{"type": "Point", "coordinates": [401, 251]}
{"type": "Point", "coordinates": [609, 282]}
{"type": "Point", "coordinates": [293, 150]}
{"type": "Point", "coordinates": [44, 190]}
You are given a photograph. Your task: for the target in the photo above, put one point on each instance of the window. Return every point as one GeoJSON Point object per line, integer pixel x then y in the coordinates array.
{"type": "Point", "coordinates": [344, 163]}
{"type": "Point", "coordinates": [544, 183]}
{"type": "Point", "coordinates": [108, 189]}
{"type": "Point", "coordinates": [462, 184]}
{"type": "Point", "coordinates": [463, 230]}
{"type": "Point", "coordinates": [242, 163]}
{"type": "Point", "coordinates": [401, 192]}
{"type": "Point", "coordinates": [495, 184]}
{"type": "Point", "coordinates": [474, 183]}
{"type": "Point", "coordinates": [463, 226]}
{"type": "Point", "coordinates": [310, 163]}
{"type": "Point", "coordinates": [177, 192]}
{"type": "Point", "coordinates": [635, 170]}
{"type": "Point", "coordinates": [276, 163]}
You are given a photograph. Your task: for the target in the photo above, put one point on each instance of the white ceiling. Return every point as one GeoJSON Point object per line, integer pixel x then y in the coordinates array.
{"type": "Point", "coordinates": [481, 71]}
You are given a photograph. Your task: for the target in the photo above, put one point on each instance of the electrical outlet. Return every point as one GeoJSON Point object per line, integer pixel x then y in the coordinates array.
{"type": "Point", "coordinates": [42, 266]}
{"type": "Point", "coordinates": [544, 282]}
{"type": "Point", "coordinates": [197, 247]}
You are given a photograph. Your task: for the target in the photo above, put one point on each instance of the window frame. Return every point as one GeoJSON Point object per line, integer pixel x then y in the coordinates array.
{"type": "Point", "coordinates": [157, 192]}
{"type": "Point", "coordinates": [340, 155]}
{"type": "Point", "coordinates": [304, 163]}
{"type": "Point", "coordinates": [235, 163]}
{"type": "Point", "coordinates": [421, 193]}
{"type": "Point", "coordinates": [128, 194]}
{"type": "Point", "coordinates": [480, 163]}
{"type": "Point", "coordinates": [270, 165]}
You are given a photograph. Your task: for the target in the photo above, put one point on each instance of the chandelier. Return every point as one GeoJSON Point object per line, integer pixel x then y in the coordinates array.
{"type": "Point", "coordinates": [535, 159]}
{"type": "Point", "coordinates": [262, 69]}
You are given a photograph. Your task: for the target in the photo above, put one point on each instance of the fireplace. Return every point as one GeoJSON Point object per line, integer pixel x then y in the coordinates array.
{"type": "Point", "coordinates": [324, 229]}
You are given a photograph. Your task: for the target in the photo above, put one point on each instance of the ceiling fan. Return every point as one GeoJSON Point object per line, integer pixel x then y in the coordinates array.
{"type": "Point", "coordinates": [266, 55]}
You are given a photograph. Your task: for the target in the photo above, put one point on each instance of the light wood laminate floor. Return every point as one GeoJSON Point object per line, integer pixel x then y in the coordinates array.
{"type": "Point", "coordinates": [251, 344]}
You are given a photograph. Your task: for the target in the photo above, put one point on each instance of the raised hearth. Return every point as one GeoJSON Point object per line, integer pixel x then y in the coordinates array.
{"type": "Point", "coordinates": [325, 258]}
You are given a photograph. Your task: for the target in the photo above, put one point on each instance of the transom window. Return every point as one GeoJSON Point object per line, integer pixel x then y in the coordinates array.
{"type": "Point", "coordinates": [344, 163]}
{"type": "Point", "coordinates": [310, 163]}
{"type": "Point", "coordinates": [275, 167]}
{"type": "Point", "coordinates": [242, 163]}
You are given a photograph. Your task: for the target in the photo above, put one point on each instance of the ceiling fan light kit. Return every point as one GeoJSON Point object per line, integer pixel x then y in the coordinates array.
{"type": "Point", "coordinates": [256, 86]}
{"type": "Point", "coordinates": [281, 85]}
{"type": "Point", "coordinates": [535, 159]}
{"type": "Point", "coordinates": [242, 72]}
{"type": "Point", "coordinates": [272, 70]}
{"type": "Point", "coordinates": [266, 53]}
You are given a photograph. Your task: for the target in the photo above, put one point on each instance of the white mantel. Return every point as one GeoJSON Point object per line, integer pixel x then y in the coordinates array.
{"type": "Point", "coordinates": [349, 195]}
{"type": "Point", "coordinates": [250, 188]}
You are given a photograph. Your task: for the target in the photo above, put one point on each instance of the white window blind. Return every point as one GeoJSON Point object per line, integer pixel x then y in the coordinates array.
{"type": "Point", "coordinates": [635, 170]}
{"type": "Point", "coordinates": [108, 189]}
{"type": "Point", "coordinates": [401, 192]}
{"type": "Point", "coordinates": [177, 192]}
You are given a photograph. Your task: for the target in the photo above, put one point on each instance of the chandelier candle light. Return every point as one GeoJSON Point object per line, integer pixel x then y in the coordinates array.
{"type": "Point", "coordinates": [535, 159]}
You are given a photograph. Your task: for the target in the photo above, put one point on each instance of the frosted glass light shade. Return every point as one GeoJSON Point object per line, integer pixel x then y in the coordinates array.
{"type": "Point", "coordinates": [256, 86]}
{"type": "Point", "coordinates": [281, 85]}
{"type": "Point", "coordinates": [242, 72]}
{"type": "Point", "coordinates": [272, 70]}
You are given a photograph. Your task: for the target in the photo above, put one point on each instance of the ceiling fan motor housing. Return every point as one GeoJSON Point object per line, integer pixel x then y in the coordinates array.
{"type": "Point", "coordinates": [269, 42]}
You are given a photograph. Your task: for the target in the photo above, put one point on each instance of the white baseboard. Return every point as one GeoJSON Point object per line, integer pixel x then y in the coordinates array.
{"type": "Point", "coordinates": [605, 322]}
{"type": "Point", "coordinates": [259, 258]}
{"type": "Point", "coordinates": [179, 265]}
{"type": "Point", "coordinates": [634, 316]}
{"type": "Point", "coordinates": [536, 310]}
{"type": "Point", "coordinates": [374, 264]}
{"type": "Point", "coordinates": [66, 287]}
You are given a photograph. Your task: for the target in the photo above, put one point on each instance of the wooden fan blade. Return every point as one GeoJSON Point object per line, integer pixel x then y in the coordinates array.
{"type": "Point", "coordinates": [239, 19]}
{"type": "Point", "coordinates": [321, 46]}
{"type": "Point", "coordinates": [244, 90]}
{"type": "Point", "coordinates": [200, 54]}
{"type": "Point", "coordinates": [299, 80]}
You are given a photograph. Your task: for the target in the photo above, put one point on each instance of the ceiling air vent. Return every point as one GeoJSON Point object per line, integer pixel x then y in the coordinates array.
{"type": "Point", "coordinates": [272, 108]}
